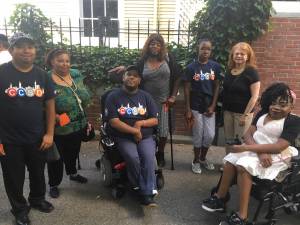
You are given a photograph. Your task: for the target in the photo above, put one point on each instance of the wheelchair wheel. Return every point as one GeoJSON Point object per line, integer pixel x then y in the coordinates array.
{"type": "Point", "coordinates": [118, 192]}
{"type": "Point", "coordinates": [223, 223]}
{"type": "Point", "coordinates": [215, 189]}
{"type": "Point", "coordinates": [288, 210]}
{"type": "Point", "coordinates": [106, 171]}
{"type": "Point", "coordinates": [160, 180]}
{"type": "Point", "coordinates": [97, 163]}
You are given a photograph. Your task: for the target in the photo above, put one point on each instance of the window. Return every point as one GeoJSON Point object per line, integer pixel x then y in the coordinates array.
{"type": "Point", "coordinates": [100, 17]}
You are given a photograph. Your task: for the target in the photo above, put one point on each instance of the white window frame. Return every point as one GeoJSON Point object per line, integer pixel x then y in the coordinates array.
{"type": "Point", "coordinates": [92, 19]}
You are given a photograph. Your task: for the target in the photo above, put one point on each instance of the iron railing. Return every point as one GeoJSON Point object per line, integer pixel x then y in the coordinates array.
{"type": "Point", "coordinates": [101, 32]}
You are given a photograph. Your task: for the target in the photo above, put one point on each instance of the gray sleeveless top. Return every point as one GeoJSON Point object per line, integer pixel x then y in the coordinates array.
{"type": "Point", "coordinates": [156, 82]}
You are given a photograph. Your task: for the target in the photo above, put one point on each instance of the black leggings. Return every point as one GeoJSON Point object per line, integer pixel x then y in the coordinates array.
{"type": "Point", "coordinates": [68, 147]}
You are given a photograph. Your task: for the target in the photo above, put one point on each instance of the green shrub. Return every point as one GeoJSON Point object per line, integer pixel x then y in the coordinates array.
{"type": "Point", "coordinates": [227, 22]}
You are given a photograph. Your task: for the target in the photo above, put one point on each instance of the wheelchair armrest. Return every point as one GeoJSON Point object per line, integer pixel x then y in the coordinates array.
{"type": "Point", "coordinates": [295, 163]}
{"type": "Point", "coordinates": [296, 159]}
{"type": "Point", "coordinates": [105, 138]}
{"type": "Point", "coordinates": [102, 130]}
{"type": "Point", "coordinates": [107, 141]}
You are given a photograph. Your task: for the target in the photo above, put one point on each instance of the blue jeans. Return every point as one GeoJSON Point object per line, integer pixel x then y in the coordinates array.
{"type": "Point", "coordinates": [140, 164]}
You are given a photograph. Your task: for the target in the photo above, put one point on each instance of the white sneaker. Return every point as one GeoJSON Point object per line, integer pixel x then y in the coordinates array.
{"type": "Point", "coordinates": [207, 165]}
{"type": "Point", "coordinates": [196, 168]}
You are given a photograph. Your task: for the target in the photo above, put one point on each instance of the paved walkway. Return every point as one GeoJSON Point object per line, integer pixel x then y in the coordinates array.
{"type": "Point", "coordinates": [92, 204]}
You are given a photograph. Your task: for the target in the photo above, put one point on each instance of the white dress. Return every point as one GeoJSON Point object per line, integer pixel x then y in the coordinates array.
{"type": "Point", "coordinates": [267, 133]}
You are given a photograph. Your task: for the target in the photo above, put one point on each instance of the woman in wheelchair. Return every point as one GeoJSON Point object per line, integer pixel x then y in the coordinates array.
{"type": "Point", "coordinates": [267, 150]}
{"type": "Point", "coordinates": [132, 115]}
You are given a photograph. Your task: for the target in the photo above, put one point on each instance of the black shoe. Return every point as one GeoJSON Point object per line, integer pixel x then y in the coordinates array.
{"type": "Point", "coordinates": [148, 200]}
{"type": "Point", "coordinates": [213, 204]}
{"type": "Point", "coordinates": [160, 157]}
{"type": "Point", "coordinates": [54, 192]}
{"type": "Point", "coordinates": [135, 189]}
{"type": "Point", "coordinates": [78, 178]}
{"type": "Point", "coordinates": [43, 206]}
{"type": "Point", "coordinates": [22, 219]}
{"type": "Point", "coordinates": [161, 163]}
{"type": "Point", "coordinates": [235, 219]}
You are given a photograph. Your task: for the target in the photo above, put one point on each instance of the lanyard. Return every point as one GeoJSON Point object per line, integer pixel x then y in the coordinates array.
{"type": "Point", "coordinates": [73, 90]}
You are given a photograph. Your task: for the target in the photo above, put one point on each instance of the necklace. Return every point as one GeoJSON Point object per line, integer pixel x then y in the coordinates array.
{"type": "Point", "coordinates": [68, 84]}
{"type": "Point", "coordinates": [72, 89]}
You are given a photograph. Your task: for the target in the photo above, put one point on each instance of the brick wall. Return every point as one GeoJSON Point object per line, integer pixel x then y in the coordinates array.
{"type": "Point", "coordinates": [278, 54]}
{"type": "Point", "coordinates": [278, 57]}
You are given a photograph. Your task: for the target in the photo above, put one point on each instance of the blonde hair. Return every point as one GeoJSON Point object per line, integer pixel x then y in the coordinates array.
{"type": "Point", "coordinates": [251, 59]}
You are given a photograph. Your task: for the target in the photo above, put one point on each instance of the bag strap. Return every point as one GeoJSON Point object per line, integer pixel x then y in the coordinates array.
{"type": "Point", "coordinates": [73, 91]}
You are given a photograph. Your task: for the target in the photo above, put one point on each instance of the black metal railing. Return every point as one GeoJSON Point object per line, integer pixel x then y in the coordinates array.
{"type": "Point", "coordinates": [97, 31]}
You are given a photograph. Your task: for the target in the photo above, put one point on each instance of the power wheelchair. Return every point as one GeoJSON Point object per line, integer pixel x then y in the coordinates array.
{"type": "Point", "coordinates": [281, 193]}
{"type": "Point", "coordinates": [111, 164]}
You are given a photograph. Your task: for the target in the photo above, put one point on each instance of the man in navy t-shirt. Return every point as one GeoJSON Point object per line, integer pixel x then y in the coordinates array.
{"type": "Point", "coordinates": [27, 118]}
{"type": "Point", "coordinates": [132, 115]}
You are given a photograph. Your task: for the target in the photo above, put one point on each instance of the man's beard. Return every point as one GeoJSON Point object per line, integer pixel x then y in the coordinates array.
{"type": "Point", "coordinates": [130, 89]}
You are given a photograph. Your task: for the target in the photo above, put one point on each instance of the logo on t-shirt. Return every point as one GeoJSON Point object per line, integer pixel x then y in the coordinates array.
{"type": "Point", "coordinates": [28, 91]}
{"type": "Point", "coordinates": [127, 110]}
{"type": "Point", "coordinates": [204, 76]}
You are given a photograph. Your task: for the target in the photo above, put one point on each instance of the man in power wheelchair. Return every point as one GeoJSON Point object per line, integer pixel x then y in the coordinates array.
{"type": "Point", "coordinates": [266, 154]}
{"type": "Point", "coordinates": [132, 117]}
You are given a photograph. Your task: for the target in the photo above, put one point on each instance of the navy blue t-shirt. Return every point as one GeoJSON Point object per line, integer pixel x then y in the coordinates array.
{"type": "Point", "coordinates": [129, 109]}
{"type": "Point", "coordinates": [202, 78]}
{"type": "Point", "coordinates": [22, 101]}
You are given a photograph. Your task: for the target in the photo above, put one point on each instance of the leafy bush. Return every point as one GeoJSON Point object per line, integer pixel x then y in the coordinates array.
{"type": "Point", "coordinates": [183, 54]}
{"type": "Point", "coordinates": [30, 19]}
{"type": "Point", "coordinates": [94, 63]}
{"type": "Point", "coordinates": [227, 22]}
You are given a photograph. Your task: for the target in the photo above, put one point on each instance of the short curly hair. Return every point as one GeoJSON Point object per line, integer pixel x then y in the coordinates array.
{"type": "Point", "coordinates": [273, 92]}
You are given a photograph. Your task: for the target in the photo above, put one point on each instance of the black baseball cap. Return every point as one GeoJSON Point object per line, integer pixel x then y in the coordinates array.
{"type": "Point", "coordinates": [133, 68]}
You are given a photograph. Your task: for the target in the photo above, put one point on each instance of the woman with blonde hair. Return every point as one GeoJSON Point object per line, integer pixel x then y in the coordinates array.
{"type": "Point", "coordinates": [241, 90]}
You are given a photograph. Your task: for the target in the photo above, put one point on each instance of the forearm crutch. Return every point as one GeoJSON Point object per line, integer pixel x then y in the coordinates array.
{"type": "Point", "coordinates": [171, 136]}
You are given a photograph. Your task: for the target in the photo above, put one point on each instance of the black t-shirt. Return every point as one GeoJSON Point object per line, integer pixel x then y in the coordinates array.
{"type": "Point", "coordinates": [22, 98]}
{"type": "Point", "coordinates": [129, 109]}
{"type": "Point", "coordinates": [202, 77]}
{"type": "Point", "coordinates": [237, 92]}
{"type": "Point", "coordinates": [291, 127]}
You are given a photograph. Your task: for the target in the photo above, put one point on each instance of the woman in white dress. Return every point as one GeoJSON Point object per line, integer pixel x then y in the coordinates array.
{"type": "Point", "coordinates": [267, 150]}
